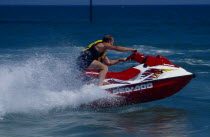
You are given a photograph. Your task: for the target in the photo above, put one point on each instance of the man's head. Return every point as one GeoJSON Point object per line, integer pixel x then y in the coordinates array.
{"type": "Point", "coordinates": [108, 39]}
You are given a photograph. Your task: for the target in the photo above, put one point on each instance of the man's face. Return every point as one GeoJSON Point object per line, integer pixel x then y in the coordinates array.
{"type": "Point", "coordinates": [112, 42]}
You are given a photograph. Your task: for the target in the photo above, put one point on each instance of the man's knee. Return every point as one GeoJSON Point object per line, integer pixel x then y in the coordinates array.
{"type": "Point", "coordinates": [104, 67]}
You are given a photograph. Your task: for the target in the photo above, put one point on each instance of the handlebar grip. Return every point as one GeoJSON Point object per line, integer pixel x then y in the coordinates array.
{"type": "Point", "coordinates": [135, 51]}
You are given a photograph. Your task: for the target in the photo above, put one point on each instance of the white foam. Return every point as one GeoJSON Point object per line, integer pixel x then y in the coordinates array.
{"type": "Point", "coordinates": [200, 51]}
{"type": "Point", "coordinates": [150, 50]}
{"type": "Point", "coordinates": [42, 84]}
{"type": "Point", "coordinates": [195, 62]}
{"type": "Point", "coordinates": [153, 51]}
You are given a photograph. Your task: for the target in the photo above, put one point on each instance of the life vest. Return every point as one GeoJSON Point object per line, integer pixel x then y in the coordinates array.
{"type": "Point", "coordinates": [92, 47]}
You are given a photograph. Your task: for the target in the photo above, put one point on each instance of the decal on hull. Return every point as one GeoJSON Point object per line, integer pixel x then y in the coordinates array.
{"type": "Point", "coordinates": [134, 88]}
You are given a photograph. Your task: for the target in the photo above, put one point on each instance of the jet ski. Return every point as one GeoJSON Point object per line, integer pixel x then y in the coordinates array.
{"type": "Point", "coordinates": [153, 79]}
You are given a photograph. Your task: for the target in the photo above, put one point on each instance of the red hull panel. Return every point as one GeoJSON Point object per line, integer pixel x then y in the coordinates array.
{"type": "Point", "coordinates": [144, 92]}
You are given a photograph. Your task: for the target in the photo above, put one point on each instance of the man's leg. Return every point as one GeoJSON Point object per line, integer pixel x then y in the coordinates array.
{"type": "Point", "coordinates": [101, 68]}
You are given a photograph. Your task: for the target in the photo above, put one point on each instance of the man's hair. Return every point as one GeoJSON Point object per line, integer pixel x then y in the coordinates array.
{"type": "Point", "coordinates": [107, 38]}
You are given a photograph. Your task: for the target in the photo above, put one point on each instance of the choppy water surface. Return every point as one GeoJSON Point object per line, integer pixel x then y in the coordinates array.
{"type": "Point", "coordinates": [41, 95]}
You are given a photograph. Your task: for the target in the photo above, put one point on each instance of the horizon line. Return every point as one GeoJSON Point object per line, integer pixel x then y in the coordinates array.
{"type": "Point", "coordinates": [101, 4]}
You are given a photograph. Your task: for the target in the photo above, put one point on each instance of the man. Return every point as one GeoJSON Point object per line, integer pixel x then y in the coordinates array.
{"type": "Point", "coordinates": [92, 57]}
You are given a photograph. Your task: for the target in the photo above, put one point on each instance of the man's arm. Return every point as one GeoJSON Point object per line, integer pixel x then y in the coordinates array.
{"type": "Point", "coordinates": [113, 62]}
{"type": "Point", "coordinates": [118, 48]}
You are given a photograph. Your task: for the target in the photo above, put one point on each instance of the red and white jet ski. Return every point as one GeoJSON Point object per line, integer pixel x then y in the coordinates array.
{"type": "Point", "coordinates": [155, 78]}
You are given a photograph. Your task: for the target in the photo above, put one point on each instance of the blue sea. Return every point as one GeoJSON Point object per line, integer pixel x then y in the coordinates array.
{"type": "Point", "coordinates": [41, 95]}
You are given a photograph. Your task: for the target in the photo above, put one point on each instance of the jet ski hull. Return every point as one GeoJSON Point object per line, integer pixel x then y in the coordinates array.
{"type": "Point", "coordinates": [143, 92]}
{"type": "Point", "coordinates": [156, 79]}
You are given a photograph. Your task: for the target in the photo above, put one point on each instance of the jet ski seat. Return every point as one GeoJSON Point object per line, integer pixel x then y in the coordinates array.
{"type": "Point", "coordinates": [124, 75]}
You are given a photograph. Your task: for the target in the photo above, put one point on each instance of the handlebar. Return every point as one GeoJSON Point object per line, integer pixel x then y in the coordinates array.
{"type": "Point", "coordinates": [136, 57]}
